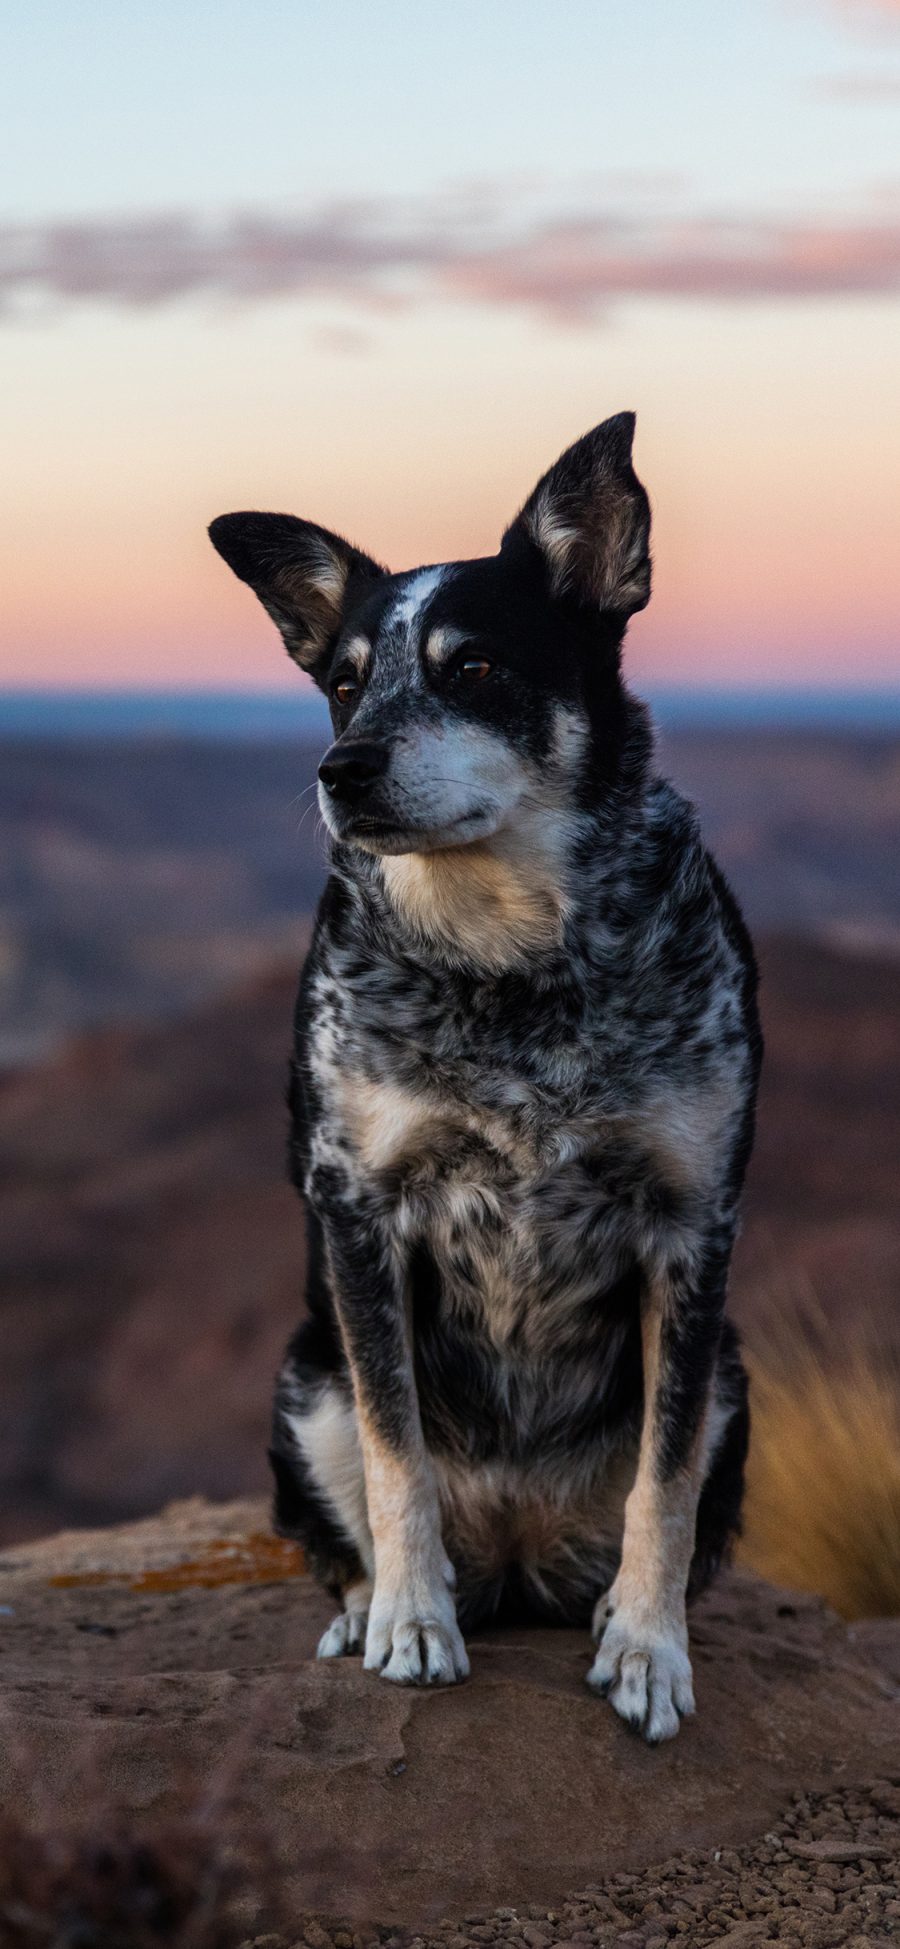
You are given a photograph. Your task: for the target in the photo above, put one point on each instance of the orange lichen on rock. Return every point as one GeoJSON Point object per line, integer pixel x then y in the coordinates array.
{"type": "Point", "coordinates": [254, 1559]}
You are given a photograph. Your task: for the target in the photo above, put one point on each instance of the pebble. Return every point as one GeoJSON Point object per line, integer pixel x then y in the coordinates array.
{"type": "Point", "coordinates": [315, 1936]}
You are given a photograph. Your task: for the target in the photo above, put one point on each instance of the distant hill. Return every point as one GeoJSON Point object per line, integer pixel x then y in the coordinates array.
{"type": "Point", "coordinates": [151, 1259]}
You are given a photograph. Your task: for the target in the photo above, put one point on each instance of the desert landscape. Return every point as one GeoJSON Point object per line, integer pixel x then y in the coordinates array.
{"type": "Point", "coordinates": [157, 898]}
{"type": "Point", "coordinates": [613, 289]}
{"type": "Point", "coordinates": [152, 1264]}
{"type": "Point", "coordinates": [156, 1654]}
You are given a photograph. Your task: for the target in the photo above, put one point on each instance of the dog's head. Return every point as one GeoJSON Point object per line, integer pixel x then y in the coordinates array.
{"type": "Point", "coordinates": [459, 692]}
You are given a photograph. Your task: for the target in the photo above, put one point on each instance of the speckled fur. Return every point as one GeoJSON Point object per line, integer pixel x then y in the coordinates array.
{"type": "Point", "coordinates": [522, 1096]}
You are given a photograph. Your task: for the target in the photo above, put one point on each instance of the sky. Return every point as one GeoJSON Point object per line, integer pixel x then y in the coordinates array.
{"type": "Point", "coordinates": [378, 265]}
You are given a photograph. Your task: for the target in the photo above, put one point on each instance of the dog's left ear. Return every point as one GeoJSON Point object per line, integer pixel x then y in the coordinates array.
{"type": "Point", "coordinates": [589, 517]}
{"type": "Point", "coordinates": [303, 575]}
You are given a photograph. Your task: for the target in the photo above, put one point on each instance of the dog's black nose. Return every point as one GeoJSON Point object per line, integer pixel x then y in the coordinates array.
{"type": "Point", "coordinates": [348, 771]}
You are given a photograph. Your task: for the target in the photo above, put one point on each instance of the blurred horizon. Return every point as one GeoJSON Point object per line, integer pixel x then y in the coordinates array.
{"type": "Point", "coordinates": [238, 712]}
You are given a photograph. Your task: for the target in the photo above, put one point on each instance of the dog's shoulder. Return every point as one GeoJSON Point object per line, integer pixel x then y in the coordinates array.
{"type": "Point", "coordinates": [657, 908]}
{"type": "Point", "coordinates": [707, 926]}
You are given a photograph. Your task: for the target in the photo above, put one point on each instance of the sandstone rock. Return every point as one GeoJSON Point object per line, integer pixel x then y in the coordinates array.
{"type": "Point", "coordinates": [514, 1789]}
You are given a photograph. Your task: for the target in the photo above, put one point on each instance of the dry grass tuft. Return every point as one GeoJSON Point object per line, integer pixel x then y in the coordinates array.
{"type": "Point", "coordinates": [823, 1482]}
{"type": "Point", "coordinates": [130, 1882]}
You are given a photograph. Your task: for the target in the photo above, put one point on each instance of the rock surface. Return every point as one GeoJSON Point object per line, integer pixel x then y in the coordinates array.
{"type": "Point", "coordinates": [184, 1646]}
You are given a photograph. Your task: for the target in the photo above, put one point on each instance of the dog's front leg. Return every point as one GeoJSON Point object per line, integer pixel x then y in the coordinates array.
{"type": "Point", "coordinates": [412, 1635]}
{"type": "Point", "coordinates": [642, 1664]}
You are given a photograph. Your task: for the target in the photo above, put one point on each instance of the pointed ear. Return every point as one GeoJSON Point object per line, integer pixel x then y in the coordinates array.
{"type": "Point", "coordinates": [590, 519]}
{"type": "Point", "coordinates": [303, 575]}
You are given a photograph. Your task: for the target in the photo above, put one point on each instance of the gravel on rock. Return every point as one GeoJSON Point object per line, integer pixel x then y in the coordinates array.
{"type": "Point", "coordinates": [827, 1876]}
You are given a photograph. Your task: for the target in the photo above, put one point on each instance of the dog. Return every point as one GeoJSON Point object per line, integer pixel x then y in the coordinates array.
{"type": "Point", "coordinates": [522, 1096]}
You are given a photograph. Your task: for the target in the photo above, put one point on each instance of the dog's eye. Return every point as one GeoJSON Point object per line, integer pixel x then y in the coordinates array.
{"type": "Point", "coordinates": [474, 668]}
{"type": "Point", "coordinates": [346, 690]}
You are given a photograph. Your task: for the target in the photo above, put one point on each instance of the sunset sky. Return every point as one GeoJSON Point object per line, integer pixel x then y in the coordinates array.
{"type": "Point", "coordinates": [379, 264]}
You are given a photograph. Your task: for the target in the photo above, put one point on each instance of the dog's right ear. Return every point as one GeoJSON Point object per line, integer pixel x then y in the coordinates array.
{"type": "Point", "coordinates": [303, 575]}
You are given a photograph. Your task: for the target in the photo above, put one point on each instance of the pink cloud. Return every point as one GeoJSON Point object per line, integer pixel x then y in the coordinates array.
{"type": "Point", "coordinates": [376, 254]}
{"type": "Point", "coordinates": [573, 269]}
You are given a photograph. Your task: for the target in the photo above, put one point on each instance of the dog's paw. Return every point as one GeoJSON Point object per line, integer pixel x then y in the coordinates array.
{"type": "Point", "coordinates": [644, 1671]}
{"type": "Point", "coordinates": [416, 1643]}
{"type": "Point", "coordinates": [345, 1636]}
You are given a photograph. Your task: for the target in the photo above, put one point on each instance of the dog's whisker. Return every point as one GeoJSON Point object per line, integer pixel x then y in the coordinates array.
{"type": "Point", "coordinates": [298, 796]}
{"type": "Point", "coordinates": [313, 807]}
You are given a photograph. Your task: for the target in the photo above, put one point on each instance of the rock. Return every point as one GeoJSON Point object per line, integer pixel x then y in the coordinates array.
{"type": "Point", "coordinates": [517, 1787]}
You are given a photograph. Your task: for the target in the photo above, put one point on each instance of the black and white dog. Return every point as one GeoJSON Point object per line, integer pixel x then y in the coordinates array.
{"type": "Point", "coordinates": [523, 1091]}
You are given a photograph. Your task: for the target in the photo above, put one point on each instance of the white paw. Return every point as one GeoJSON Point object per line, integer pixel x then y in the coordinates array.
{"type": "Point", "coordinates": [345, 1636]}
{"type": "Point", "coordinates": [644, 1670]}
{"type": "Point", "coordinates": [416, 1643]}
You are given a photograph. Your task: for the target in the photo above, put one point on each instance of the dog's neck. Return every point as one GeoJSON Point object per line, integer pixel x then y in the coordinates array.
{"type": "Point", "coordinates": [493, 904]}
